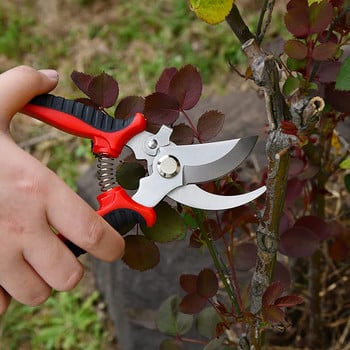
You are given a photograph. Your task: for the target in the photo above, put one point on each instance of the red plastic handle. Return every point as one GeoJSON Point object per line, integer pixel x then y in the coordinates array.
{"type": "Point", "coordinates": [108, 135]}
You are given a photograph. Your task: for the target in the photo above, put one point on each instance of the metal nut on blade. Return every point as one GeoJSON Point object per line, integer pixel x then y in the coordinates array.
{"type": "Point", "coordinates": [168, 166]}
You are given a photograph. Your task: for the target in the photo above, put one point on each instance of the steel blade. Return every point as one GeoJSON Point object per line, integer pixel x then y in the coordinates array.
{"type": "Point", "coordinates": [219, 158]}
{"type": "Point", "coordinates": [194, 196]}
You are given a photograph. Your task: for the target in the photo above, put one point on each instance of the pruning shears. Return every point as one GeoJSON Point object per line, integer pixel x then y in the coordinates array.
{"type": "Point", "coordinates": [173, 170]}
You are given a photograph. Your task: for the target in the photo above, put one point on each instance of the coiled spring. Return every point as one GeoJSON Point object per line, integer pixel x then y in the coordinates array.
{"type": "Point", "coordinates": [106, 172]}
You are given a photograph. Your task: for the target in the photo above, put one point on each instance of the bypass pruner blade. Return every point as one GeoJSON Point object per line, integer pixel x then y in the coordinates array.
{"type": "Point", "coordinates": [173, 170]}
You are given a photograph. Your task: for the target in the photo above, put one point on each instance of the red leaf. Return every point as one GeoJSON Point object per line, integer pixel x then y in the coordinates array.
{"type": "Point", "coordinates": [245, 255]}
{"type": "Point", "coordinates": [324, 51]}
{"type": "Point", "coordinates": [165, 79]}
{"type": "Point", "coordinates": [81, 80]}
{"type": "Point", "coordinates": [213, 229]}
{"type": "Point", "coordinates": [338, 250]}
{"type": "Point", "coordinates": [192, 304]}
{"type": "Point", "coordinates": [140, 253]}
{"type": "Point", "coordinates": [295, 49]}
{"type": "Point", "coordinates": [272, 293]}
{"type": "Point", "coordinates": [161, 108]}
{"type": "Point", "coordinates": [298, 242]}
{"type": "Point", "coordinates": [328, 71]}
{"type": "Point", "coordinates": [186, 86]}
{"type": "Point", "coordinates": [297, 21]}
{"type": "Point", "coordinates": [289, 301]}
{"type": "Point", "coordinates": [129, 106]}
{"type": "Point", "coordinates": [195, 240]}
{"type": "Point", "coordinates": [315, 224]}
{"type": "Point", "coordinates": [302, 4]}
{"type": "Point", "coordinates": [182, 134]}
{"type": "Point", "coordinates": [294, 190]}
{"type": "Point", "coordinates": [188, 283]}
{"type": "Point", "coordinates": [289, 128]}
{"type": "Point", "coordinates": [321, 15]}
{"type": "Point", "coordinates": [103, 90]}
{"type": "Point", "coordinates": [210, 124]}
{"type": "Point", "coordinates": [207, 283]}
{"type": "Point", "coordinates": [274, 314]}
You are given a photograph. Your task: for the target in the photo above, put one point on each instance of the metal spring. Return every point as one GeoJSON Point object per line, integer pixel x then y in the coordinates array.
{"type": "Point", "coordinates": [106, 172]}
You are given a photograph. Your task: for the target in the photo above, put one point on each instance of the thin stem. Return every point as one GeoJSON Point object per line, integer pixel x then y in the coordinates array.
{"type": "Point", "coordinates": [261, 18]}
{"type": "Point", "coordinates": [220, 267]}
{"type": "Point", "coordinates": [267, 8]}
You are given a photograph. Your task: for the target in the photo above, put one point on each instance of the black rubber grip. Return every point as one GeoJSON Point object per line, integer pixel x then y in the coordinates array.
{"type": "Point", "coordinates": [88, 114]}
{"type": "Point", "coordinates": [124, 219]}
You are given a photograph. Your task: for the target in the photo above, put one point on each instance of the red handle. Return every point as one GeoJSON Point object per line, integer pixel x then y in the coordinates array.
{"type": "Point", "coordinates": [108, 135]}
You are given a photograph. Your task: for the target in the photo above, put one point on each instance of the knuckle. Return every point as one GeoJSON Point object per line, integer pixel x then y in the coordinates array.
{"type": "Point", "coordinates": [94, 234]}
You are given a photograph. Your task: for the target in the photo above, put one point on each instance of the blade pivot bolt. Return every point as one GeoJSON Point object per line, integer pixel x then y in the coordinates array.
{"type": "Point", "coordinates": [168, 166]}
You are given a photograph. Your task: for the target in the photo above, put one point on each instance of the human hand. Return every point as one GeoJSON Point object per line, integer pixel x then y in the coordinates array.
{"type": "Point", "coordinates": [33, 200]}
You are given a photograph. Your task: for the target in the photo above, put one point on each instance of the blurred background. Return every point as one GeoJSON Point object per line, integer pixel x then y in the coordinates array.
{"type": "Point", "coordinates": [133, 41]}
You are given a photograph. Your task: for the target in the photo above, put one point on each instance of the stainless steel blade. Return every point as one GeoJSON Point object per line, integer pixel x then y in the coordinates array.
{"type": "Point", "coordinates": [215, 159]}
{"type": "Point", "coordinates": [194, 196]}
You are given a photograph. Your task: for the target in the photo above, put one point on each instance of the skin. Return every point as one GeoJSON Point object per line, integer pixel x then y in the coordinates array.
{"type": "Point", "coordinates": [33, 260]}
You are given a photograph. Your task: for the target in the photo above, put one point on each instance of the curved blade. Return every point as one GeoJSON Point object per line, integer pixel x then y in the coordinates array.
{"type": "Point", "coordinates": [209, 161]}
{"type": "Point", "coordinates": [193, 196]}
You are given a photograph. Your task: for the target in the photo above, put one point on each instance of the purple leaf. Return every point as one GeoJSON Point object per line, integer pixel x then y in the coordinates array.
{"type": "Point", "coordinates": [182, 134]}
{"type": "Point", "coordinates": [339, 100]}
{"type": "Point", "coordinates": [129, 106]}
{"type": "Point", "coordinates": [328, 71]}
{"type": "Point", "coordinates": [192, 304]}
{"type": "Point", "coordinates": [273, 291]}
{"type": "Point", "coordinates": [140, 253]}
{"type": "Point", "coordinates": [315, 224]}
{"type": "Point", "coordinates": [245, 256]}
{"type": "Point", "coordinates": [81, 80]}
{"type": "Point", "coordinates": [299, 242]}
{"type": "Point", "coordinates": [274, 314]}
{"type": "Point", "coordinates": [321, 15]}
{"type": "Point", "coordinates": [186, 86]}
{"type": "Point", "coordinates": [161, 108]}
{"type": "Point", "coordinates": [289, 301]}
{"type": "Point", "coordinates": [295, 49]}
{"type": "Point", "coordinates": [207, 283]}
{"type": "Point", "coordinates": [165, 79]}
{"type": "Point", "coordinates": [210, 124]}
{"type": "Point", "coordinates": [324, 51]}
{"type": "Point", "coordinates": [103, 90]}
{"type": "Point", "coordinates": [188, 283]}
{"type": "Point", "coordinates": [282, 274]}
{"type": "Point", "coordinates": [297, 21]}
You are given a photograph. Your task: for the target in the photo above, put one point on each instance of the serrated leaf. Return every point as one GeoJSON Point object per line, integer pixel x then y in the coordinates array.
{"type": "Point", "coordinates": [245, 255]}
{"type": "Point", "coordinates": [291, 85]}
{"type": "Point", "coordinates": [289, 301]}
{"type": "Point", "coordinates": [295, 49]}
{"type": "Point", "coordinates": [324, 51]}
{"type": "Point", "coordinates": [272, 292]}
{"type": "Point", "coordinates": [168, 227]}
{"type": "Point", "coordinates": [207, 283]}
{"type": "Point", "coordinates": [171, 344]}
{"type": "Point", "coordinates": [206, 322]}
{"type": "Point", "coordinates": [343, 80]}
{"type": "Point", "coordinates": [170, 320]}
{"type": "Point", "coordinates": [211, 11]}
{"type": "Point", "coordinates": [161, 108]}
{"type": "Point", "coordinates": [129, 106]}
{"type": "Point", "coordinates": [103, 89]}
{"type": "Point", "coordinates": [188, 283]}
{"type": "Point", "coordinates": [182, 134]}
{"type": "Point", "coordinates": [347, 182]}
{"type": "Point", "coordinates": [210, 124]}
{"type": "Point", "coordinates": [163, 82]}
{"type": "Point", "coordinates": [186, 86]}
{"type": "Point", "coordinates": [298, 242]}
{"type": "Point", "coordinates": [192, 303]}
{"type": "Point", "coordinates": [140, 253]}
{"type": "Point", "coordinates": [128, 175]}
{"type": "Point", "coordinates": [81, 80]}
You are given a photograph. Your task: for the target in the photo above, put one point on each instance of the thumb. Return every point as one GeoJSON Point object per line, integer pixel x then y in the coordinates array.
{"type": "Point", "coordinates": [18, 86]}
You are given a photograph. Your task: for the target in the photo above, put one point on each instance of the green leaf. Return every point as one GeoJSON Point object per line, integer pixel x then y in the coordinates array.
{"type": "Point", "coordinates": [345, 164]}
{"type": "Point", "coordinates": [168, 227]}
{"type": "Point", "coordinates": [129, 174]}
{"type": "Point", "coordinates": [171, 344]}
{"type": "Point", "coordinates": [214, 344]}
{"type": "Point", "coordinates": [206, 322]}
{"type": "Point", "coordinates": [347, 182]}
{"type": "Point", "coordinates": [170, 321]}
{"type": "Point", "coordinates": [212, 11]}
{"type": "Point", "coordinates": [343, 80]}
{"type": "Point", "coordinates": [291, 84]}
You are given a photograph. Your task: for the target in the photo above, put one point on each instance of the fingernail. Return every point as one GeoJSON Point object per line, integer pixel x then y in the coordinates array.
{"type": "Point", "coordinates": [50, 73]}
